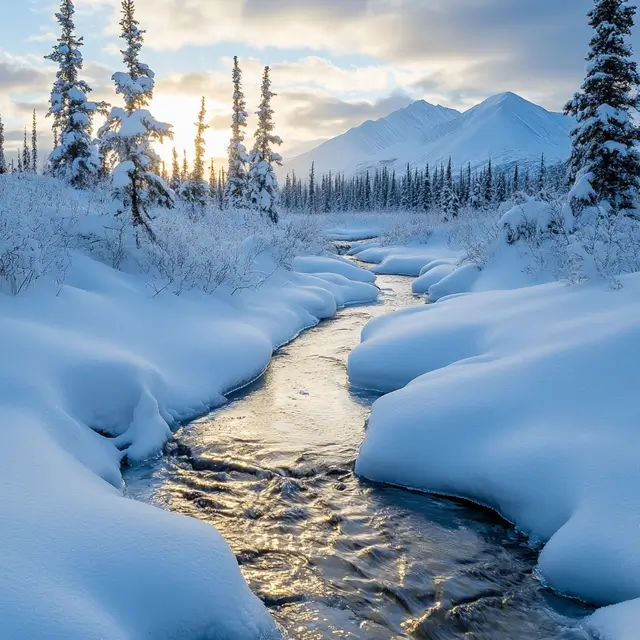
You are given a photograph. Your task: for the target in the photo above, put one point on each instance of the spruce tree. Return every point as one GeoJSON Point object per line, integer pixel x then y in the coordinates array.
{"type": "Point", "coordinates": [263, 183]}
{"type": "Point", "coordinates": [3, 161]}
{"type": "Point", "coordinates": [195, 189]}
{"type": "Point", "coordinates": [199, 144]}
{"type": "Point", "coordinates": [426, 190]}
{"type": "Point", "coordinates": [236, 193]}
{"type": "Point", "coordinates": [130, 131]}
{"type": "Point", "coordinates": [184, 172]}
{"type": "Point", "coordinates": [74, 156]}
{"type": "Point", "coordinates": [26, 154]}
{"type": "Point", "coordinates": [501, 189]}
{"type": "Point", "coordinates": [175, 180]}
{"type": "Point", "coordinates": [449, 199]}
{"type": "Point", "coordinates": [34, 144]}
{"type": "Point", "coordinates": [488, 184]}
{"type": "Point", "coordinates": [516, 179]}
{"type": "Point", "coordinates": [605, 163]}
{"type": "Point", "coordinates": [542, 176]}
{"type": "Point", "coordinates": [311, 201]}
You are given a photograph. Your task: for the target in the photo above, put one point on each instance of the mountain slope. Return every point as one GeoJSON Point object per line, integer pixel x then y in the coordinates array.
{"type": "Point", "coordinates": [412, 126]}
{"type": "Point", "coordinates": [505, 128]}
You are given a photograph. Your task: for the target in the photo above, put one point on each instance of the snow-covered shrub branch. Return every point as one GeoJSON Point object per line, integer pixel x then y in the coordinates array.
{"type": "Point", "coordinates": [37, 221]}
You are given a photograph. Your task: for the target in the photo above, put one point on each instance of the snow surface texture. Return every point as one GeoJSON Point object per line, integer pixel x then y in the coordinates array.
{"type": "Point", "coordinates": [522, 398]}
{"type": "Point", "coordinates": [505, 128]}
{"type": "Point", "coordinates": [80, 561]}
{"type": "Point", "coordinates": [407, 260]}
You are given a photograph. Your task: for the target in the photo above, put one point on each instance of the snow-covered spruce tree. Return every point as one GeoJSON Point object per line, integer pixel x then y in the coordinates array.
{"type": "Point", "coordinates": [195, 189]}
{"type": "Point", "coordinates": [449, 198]}
{"type": "Point", "coordinates": [184, 171]}
{"type": "Point", "coordinates": [263, 183]}
{"type": "Point", "coordinates": [129, 132]}
{"type": "Point", "coordinates": [26, 154]}
{"type": "Point", "coordinates": [74, 156]}
{"type": "Point", "coordinates": [311, 200]}
{"type": "Point", "coordinates": [175, 171]}
{"type": "Point", "coordinates": [605, 165]}
{"type": "Point", "coordinates": [236, 190]}
{"type": "Point", "coordinates": [3, 160]}
{"type": "Point", "coordinates": [34, 144]}
{"type": "Point", "coordinates": [426, 190]}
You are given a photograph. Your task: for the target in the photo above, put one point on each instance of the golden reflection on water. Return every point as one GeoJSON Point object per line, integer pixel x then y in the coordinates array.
{"type": "Point", "coordinates": [335, 557]}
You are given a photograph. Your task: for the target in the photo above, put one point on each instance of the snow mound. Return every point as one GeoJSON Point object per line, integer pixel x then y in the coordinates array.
{"type": "Point", "coordinates": [355, 233]}
{"type": "Point", "coordinates": [319, 264]}
{"type": "Point", "coordinates": [431, 276]}
{"type": "Point", "coordinates": [524, 400]}
{"type": "Point", "coordinates": [437, 263]}
{"type": "Point", "coordinates": [102, 371]}
{"type": "Point", "coordinates": [405, 260]}
{"type": "Point", "coordinates": [459, 281]}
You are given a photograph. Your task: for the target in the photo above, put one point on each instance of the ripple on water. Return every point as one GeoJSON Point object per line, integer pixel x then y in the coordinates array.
{"type": "Point", "coordinates": [331, 555]}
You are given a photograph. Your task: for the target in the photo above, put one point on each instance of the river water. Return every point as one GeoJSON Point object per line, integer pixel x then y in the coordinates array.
{"type": "Point", "coordinates": [332, 555]}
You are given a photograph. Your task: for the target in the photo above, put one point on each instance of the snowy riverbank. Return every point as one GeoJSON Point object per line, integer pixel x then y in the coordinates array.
{"type": "Point", "coordinates": [520, 396]}
{"type": "Point", "coordinates": [100, 368]}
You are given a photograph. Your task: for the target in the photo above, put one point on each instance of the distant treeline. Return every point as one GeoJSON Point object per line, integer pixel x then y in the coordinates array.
{"type": "Point", "coordinates": [416, 189]}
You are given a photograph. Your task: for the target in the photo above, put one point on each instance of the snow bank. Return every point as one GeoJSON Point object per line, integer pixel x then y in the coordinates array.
{"type": "Point", "coordinates": [404, 260]}
{"type": "Point", "coordinates": [461, 280]}
{"type": "Point", "coordinates": [435, 273]}
{"type": "Point", "coordinates": [524, 400]}
{"type": "Point", "coordinates": [102, 371]}
{"type": "Point", "coordinates": [318, 264]}
{"type": "Point", "coordinates": [354, 234]}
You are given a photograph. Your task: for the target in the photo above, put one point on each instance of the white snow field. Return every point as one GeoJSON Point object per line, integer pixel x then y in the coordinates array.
{"type": "Point", "coordinates": [522, 397]}
{"type": "Point", "coordinates": [100, 368]}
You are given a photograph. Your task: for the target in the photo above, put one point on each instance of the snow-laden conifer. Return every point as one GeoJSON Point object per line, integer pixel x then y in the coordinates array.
{"type": "Point", "coordinates": [175, 171]}
{"type": "Point", "coordinates": [236, 192]}
{"type": "Point", "coordinates": [74, 156]}
{"type": "Point", "coordinates": [34, 143]}
{"type": "Point", "coordinates": [449, 199]}
{"type": "Point", "coordinates": [195, 189]}
{"type": "Point", "coordinates": [129, 132]}
{"type": "Point", "coordinates": [605, 164]}
{"type": "Point", "coordinates": [263, 183]}
{"type": "Point", "coordinates": [26, 154]}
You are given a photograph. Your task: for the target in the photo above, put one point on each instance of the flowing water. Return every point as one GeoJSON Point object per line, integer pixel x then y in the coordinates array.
{"type": "Point", "coordinates": [332, 555]}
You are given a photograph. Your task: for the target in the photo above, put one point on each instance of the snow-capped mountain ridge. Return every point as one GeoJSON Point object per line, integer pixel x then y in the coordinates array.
{"type": "Point", "coordinates": [505, 127]}
{"type": "Point", "coordinates": [412, 126]}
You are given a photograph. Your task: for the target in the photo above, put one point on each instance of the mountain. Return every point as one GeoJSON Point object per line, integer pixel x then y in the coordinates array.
{"type": "Point", "coordinates": [505, 128]}
{"type": "Point", "coordinates": [411, 127]}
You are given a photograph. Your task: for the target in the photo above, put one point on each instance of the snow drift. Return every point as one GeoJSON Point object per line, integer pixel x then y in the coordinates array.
{"type": "Point", "coordinates": [97, 366]}
{"type": "Point", "coordinates": [524, 400]}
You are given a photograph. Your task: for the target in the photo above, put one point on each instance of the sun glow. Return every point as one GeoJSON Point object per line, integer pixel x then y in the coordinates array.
{"type": "Point", "coordinates": [182, 113]}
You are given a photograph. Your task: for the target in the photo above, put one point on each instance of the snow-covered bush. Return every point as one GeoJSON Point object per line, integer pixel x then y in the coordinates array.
{"type": "Point", "coordinates": [37, 220]}
{"type": "Point", "coordinates": [409, 226]}
{"type": "Point", "coordinates": [606, 245]}
{"type": "Point", "coordinates": [475, 231]}
{"type": "Point", "coordinates": [202, 254]}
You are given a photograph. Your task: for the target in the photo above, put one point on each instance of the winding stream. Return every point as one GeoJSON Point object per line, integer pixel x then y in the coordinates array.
{"type": "Point", "coordinates": [332, 555]}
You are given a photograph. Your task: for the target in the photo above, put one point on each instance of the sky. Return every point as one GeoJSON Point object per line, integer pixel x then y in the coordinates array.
{"type": "Point", "coordinates": [335, 63]}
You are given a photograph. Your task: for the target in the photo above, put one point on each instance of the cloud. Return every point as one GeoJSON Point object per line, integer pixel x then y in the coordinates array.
{"type": "Point", "coordinates": [17, 77]}
{"type": "Point", "coordinates": [331, 115]}
{"type": "Point", "coordinates": [40, 106]}
{"type": "Point", "coordinates": [488, 39]}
